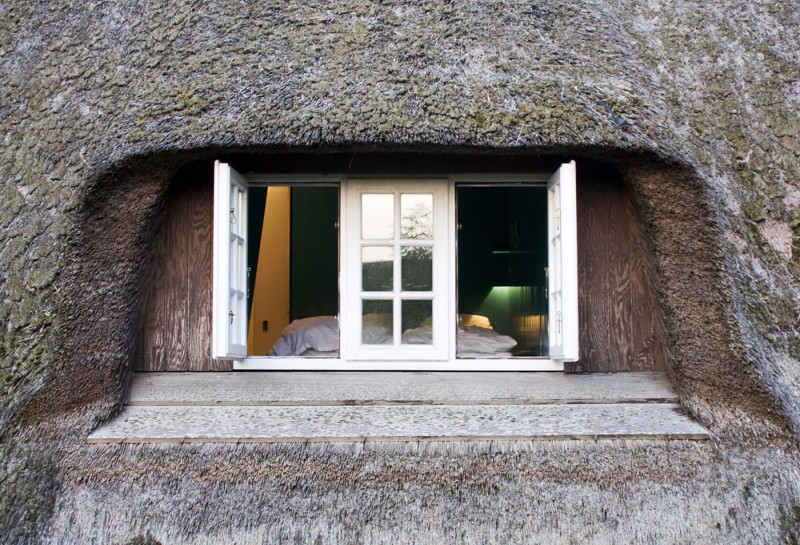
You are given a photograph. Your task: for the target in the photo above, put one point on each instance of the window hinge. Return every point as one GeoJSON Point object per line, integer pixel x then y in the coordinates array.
{"type": "Point", "coordinates": [558, 219]}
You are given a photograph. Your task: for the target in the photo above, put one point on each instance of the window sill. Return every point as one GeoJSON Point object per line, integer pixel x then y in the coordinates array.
{"type": "Point", "coordinates": [261, 363]}
{"type": "Point", "coordinates": [373, 407]}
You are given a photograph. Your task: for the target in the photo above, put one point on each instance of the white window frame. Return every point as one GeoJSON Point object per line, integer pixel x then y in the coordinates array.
{"type": "Point", "coordinates": [229, 282]}
{"type": "Point", "coordinates": [350, 336]}
{"type": "Point", "coordinates": [562, 273]}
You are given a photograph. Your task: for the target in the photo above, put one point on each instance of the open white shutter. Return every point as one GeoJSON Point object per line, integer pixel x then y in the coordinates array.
{"type": "Point", "coordinates": [230, 264]}
{"type": "Point", "coordinates": [563, 264]}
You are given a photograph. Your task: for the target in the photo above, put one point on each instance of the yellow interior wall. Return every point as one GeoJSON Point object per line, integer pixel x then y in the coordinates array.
{"type": "Point", "coordinates": [271, 289]}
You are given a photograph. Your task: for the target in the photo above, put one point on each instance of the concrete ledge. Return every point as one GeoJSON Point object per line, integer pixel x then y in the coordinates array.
{"type": "Point", "coordinates": [367, 407]}
{"type": "Point", "coordinates": [397, 423]}
{"type": "Point", "coordinates": [379, 388]}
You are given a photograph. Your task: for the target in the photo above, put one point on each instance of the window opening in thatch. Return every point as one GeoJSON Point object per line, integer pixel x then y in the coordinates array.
{"type": "Point", "coordinates": [395, 273]}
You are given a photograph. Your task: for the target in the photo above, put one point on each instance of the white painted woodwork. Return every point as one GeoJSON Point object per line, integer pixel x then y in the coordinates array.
{"type": "Point", "coordinates": [261, 363]}
{"type": "Point", "coordinates": [563, 264]}
{"type": "Point", "coordinates": [229, 301]}
{"type": "Point", "coordinates": [354, 296]}
{"type": "Point", "coordinates": [230, 280]}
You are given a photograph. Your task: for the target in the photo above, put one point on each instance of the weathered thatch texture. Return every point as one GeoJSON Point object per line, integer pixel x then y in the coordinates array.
{"type": "Point", "coordinates": [545, 492]}
{"type": "Point", "coordinates": [696, 103]}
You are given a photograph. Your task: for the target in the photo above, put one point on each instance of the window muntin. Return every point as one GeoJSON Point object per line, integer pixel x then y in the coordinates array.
{"type": "Point", "coordinates": [350, 316]}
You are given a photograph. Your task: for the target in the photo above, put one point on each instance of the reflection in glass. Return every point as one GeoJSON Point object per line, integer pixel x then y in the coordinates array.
{"type": "Point", "coordinates": [416, 216]}
{"type": "Point", "coordinates": [377, 216]}
{"type": "Point", "coordinates": [417, 322]}
{"type": "Point", "coordinates": [377, 270]}
{"type": "Point", "coordinates": [377, 322]}
{"type": "Point", "coordinates": [416, 268]}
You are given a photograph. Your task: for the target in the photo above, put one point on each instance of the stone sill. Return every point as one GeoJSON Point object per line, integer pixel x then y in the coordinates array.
{"type": "Point", "coordinates": [376, 406]}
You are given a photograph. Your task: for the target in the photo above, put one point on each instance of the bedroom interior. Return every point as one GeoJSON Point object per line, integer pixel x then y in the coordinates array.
{"type": "Point", "coordinates": [620, 321]}
{"type": "Point", "coordinates": [502, 269]}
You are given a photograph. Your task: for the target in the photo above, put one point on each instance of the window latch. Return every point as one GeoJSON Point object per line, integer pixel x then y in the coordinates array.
{"type": "Point", "coordinates": [231, 314]}
{"type": "Point", "coordinates": [546, 282]}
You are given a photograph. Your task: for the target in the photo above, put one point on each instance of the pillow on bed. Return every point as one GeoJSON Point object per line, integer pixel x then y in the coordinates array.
{"type": "Point", "coordinates": [474, 340]}
{"type": "Point", "coordinates": [479, 340]}
{"type": "Point", "coordinates": [468, 320]}
{"type": "Point", "coordinates": [464, 320]}
{"type": "Point", "coordinates": [418, 335]}
{"type": "Point", "coordinates": [319, 333]}
{"type": "Point", "coordinates": [376, 328]}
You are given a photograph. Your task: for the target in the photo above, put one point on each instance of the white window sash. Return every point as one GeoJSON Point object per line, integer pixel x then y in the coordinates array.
{"type": "Point", "coordinates": [562, 275]}
{"type": "Point", "coordinates": [229, 299]}
{"type": "Point", "coordinates": [351, 321]}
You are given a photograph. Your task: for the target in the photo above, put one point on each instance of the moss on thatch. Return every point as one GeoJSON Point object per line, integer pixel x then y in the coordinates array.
{"type": "Point", "coordinates": [695, 103]}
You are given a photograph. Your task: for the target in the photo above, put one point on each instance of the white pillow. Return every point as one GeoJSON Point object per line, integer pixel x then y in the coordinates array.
{"type": "Point", "coordinates": [319, 333]}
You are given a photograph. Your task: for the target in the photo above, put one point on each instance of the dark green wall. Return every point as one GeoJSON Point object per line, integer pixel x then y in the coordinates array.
{"type": "Point", "coordinates": [314, 252]}
{"type": "Point", "coordinates": [485, 217]}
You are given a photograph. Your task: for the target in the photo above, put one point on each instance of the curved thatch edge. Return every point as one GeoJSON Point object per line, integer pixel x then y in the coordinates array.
{"type": "Point", "coordinates": [86, 89]}
{"type": "Point", "coordinates": [115, 228]}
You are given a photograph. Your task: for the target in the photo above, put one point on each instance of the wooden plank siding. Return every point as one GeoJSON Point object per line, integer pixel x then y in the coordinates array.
{"type": "Point", "coordinates": [619, 315]}
{"type": "Point", "coordinates": [176, 326]}
{"type": "Point", "coordinates": [620, 325]}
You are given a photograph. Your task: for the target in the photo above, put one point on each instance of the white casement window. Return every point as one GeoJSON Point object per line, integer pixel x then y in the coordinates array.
{"type": "Point", "coordinates": [563, 264]}
{"type": "Point", "coordinates": [340, 273]}
{"type": "Point", "coordinates": [230, 264]}
{"type": "Point", "coordinates": [396, 271]}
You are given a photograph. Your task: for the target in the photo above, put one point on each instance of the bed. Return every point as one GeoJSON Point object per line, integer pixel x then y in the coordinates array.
{"type": "Point", "coordinates": [318, 336]}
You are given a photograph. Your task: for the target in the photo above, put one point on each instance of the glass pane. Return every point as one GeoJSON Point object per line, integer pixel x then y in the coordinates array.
{"type": "Point", "coordinates": [377, 268]}
{"type": "Point", "coordinates": [417, 323]}
{"type": "Point", "coordinates": [416, 264]}
{"type": "Point", "coordinates": [377, 216]}
{"type": "Point", "coordinates": [416, 216]}
{"type": "Point", "coordinates": [377, 321]}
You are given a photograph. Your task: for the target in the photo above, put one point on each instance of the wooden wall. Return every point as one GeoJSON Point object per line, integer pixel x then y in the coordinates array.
{"type": "Point", "coordinates": [176, 325]}
{"type": "Point", "coordinates": [620, 328]}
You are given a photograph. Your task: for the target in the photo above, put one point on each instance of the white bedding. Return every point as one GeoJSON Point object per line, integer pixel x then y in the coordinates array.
{"type": "Point", "coordinates": [319, 333]}
{"type": "Point", "coordinates": [319, 336]}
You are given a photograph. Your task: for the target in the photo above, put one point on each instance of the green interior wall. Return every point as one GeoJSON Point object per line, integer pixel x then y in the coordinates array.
{"type": "Point", "coordinates": [314, 252]}
{"type": "Point", "coordinates": [502, 253]}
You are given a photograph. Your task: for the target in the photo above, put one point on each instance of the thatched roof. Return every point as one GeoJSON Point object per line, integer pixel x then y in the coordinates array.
{"type": "Point", "coordinates": [696, 104]}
